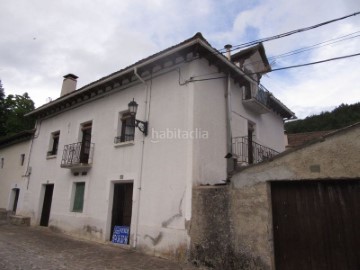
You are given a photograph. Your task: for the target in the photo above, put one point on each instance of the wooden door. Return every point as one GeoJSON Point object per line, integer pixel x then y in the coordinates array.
{"type": "Point", "coordinates": [45, 213]}
{"type": "Point", "coordinates": [316, 224]}
{"type": "Point", "coordinates": [16, 199]}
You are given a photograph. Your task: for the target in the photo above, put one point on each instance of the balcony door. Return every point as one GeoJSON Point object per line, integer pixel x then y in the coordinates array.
{"type": "Point", "coordinates": [85, 142]}
{"type": "Point", "coordinates": [251, 129]}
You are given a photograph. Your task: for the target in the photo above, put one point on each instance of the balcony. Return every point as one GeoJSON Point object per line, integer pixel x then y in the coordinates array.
{"type": "Point", "coordinates": [77, 155]}
{"type": "Point", "coordinates": [249, 152]}
{"type": "Point", "coordinates": [256, 98]}
{"type": "Point", "coordinates": [259, 100]}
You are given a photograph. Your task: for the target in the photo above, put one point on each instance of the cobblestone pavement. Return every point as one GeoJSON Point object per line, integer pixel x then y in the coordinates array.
{"type": "Point", "coordinates": [40, 248]}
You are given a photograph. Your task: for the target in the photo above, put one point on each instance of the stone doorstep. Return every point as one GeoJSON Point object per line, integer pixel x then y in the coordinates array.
{"type": "Point", "coordinates": [3, 214]}
{"type": "Point", "coordinates": [19, 220]}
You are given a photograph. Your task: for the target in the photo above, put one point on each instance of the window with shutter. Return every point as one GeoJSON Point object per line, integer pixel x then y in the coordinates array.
{"type": "Point", "coordinates": [79, 197]}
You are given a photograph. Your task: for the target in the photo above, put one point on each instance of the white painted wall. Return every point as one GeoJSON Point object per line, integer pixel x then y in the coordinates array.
{"type": "Point", "coordinates": [163, 166]}
{"type": "Point", "coordinates": [210, 116]}
{"type": "Point", "coordinates": [269, 127]}
{"type": "Point", "coordinates": [11, 175]}
{"type": "Point", "coordinates": [161, 188]}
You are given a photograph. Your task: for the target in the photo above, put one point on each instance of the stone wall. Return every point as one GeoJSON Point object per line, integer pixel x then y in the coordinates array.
{"type": "Point", "coordinates": [230, 228]}
{"type": "Point", "coordinates": [251, 224]}
{"type": "Point", "coordinates": [210, 227]}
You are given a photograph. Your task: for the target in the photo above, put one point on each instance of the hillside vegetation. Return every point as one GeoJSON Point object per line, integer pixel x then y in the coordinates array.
{"type": "Point", "coordinates": [342, 116]}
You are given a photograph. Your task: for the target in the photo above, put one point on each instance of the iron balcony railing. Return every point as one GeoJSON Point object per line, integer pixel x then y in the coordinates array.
{"type": "Point", "coordinates": [250, 152]}
{"type": "Point", "coordinates": [262, 95]}
{"type": "Point", "coordinates": [77, 154]}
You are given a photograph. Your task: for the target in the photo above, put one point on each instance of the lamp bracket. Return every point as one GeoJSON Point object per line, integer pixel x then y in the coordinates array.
{"type": "Point", "coordinates": [142, 126]}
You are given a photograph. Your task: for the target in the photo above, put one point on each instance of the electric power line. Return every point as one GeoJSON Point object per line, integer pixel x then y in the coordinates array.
{"type": "Point", "coordinates": [282, 68]}
{"type": "Point", "coordinates": [316, 46]}
{"type": "Point", "coordinates": [250, 43]}
{"type": "Point", "coordinates": [317, 62]}
{"type": "Point", "coordinates": [247, 44]}
{"type": "Point", "coordinates": [310, 47]}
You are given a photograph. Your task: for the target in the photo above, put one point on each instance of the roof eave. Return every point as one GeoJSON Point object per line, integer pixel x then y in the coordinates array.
{"type": "Point", "coordinates": [232, 69]}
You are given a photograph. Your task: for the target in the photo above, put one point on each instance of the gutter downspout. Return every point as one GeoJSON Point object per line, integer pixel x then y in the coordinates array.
{"type": "Point", "coordinates": [142, 160]}
{"type": "Point", "coordinates": [229, 160]}
{"type": "Point", "coordinates": [138, 76]}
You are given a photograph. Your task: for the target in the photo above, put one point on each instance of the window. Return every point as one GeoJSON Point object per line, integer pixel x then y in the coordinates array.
{"type": "Point", "coordinates": [127, 128]}
{"type": "Point", "coordinates": [22, 159]}
{"type": "Point", "coordinates": [54, 143]}
{"type": "Point", "coordinates": [2, 162]}
{"type": "Point", "coordinates": [79, 197]}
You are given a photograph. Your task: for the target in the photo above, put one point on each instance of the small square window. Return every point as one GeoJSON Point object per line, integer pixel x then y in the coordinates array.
{"type": "Point", "coordinates": [126, 127]}
{"type": "Point", "coordinates": [78, 203]}
{"type": "Point", "coordinates": [54, 143]}
{"type": "Point", "coordinates": [22, 159]}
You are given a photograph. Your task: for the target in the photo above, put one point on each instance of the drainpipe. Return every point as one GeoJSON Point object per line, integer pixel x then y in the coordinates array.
{"type": "Point", "coordinates": [229, 160]}
{"type": "Point", "coordinates": [138, 76]}
{"type": "Point", "coordinates": [142, 159]}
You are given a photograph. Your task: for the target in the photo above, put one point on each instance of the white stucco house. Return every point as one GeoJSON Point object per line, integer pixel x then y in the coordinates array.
{"type": "Point", "coordinates": [96, 163]}
{"type": "Point", "coordinates": [14, 158]}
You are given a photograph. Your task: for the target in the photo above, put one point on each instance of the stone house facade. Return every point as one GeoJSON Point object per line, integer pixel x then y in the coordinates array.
{"type": "Point", "coordinates": [299, 210]}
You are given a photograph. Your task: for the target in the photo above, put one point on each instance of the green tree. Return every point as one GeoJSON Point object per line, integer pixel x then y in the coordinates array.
{"type": "Point", "coordinates": [16, 107]}
{"type": "Point", "coordinates": [2, 111]}
{"type": "Point", "coordinates": [342, 116]}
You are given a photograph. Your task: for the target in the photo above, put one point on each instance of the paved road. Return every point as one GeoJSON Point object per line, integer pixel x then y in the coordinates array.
{"type": "Point", "coordinates": [40, 248]}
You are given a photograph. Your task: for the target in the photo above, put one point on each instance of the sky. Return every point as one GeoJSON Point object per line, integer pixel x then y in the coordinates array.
{"type": "Point", "coordinates": [41, 41]}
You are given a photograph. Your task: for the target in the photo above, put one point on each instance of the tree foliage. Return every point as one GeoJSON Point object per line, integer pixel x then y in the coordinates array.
{"type": "Point", "coordinates": [13, 108]}
{"type": "Point", "coordinates": [2, 111]}
{"type": "Point", "coordinates": [342, 116]}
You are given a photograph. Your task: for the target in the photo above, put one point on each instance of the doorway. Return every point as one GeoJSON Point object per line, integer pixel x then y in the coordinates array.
{"type": "Point", "coordinates": [251, 129]}
{"type": "Point", "coordinates": [85, 142]}
{"type": "Point", "coordinates": [16, 192]}
{"type": "Point", "coordinates": [122, 205]}
{"type": "Point", "coordinates": [45, 213]}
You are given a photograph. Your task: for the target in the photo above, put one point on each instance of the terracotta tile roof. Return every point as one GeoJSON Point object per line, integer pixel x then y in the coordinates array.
{"type": "Point", "coordinates": [16, 138]}
{"type": "Point", "coordinates": [297, 139]}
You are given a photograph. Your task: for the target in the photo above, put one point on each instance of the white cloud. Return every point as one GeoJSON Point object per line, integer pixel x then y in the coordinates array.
{"type": "Point", "coordinates": [310, 89]}
{"type": "Point", "coordinates": [44, 40]}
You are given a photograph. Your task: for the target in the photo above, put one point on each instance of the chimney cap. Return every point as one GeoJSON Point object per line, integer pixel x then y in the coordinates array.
{"type": "Point", "coordinates": [228, 46]}
{"type": "Point", "coordinates": [71, 76]}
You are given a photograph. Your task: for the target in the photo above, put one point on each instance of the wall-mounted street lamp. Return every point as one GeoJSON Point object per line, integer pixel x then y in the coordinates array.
{"type": "Point", "coordinates": [141, 125]}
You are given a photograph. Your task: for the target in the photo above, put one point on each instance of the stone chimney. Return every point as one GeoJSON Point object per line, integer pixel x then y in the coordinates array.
{"type": "Point", "coordinates": [228, 51]}
{"type": "Point", "coordinates": [69, 84]}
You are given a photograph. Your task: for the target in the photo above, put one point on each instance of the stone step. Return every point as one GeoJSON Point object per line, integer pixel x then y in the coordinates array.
{"type": "Point", "coordinates": [3, 214]}
{"type": "Point", "coordinates": [19, 220]}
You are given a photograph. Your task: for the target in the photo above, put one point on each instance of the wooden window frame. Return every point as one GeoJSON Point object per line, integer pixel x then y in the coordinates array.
{"type": "Point", "coordinates": [54, 144]}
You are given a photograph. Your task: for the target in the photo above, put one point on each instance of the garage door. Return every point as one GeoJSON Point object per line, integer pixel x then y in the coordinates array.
{"type": "Point", "coordinates": [316, 224]}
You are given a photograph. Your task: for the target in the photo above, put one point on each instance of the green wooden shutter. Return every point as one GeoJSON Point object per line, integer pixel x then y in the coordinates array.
{"type": "Point", "coordinates": [79, 197]}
